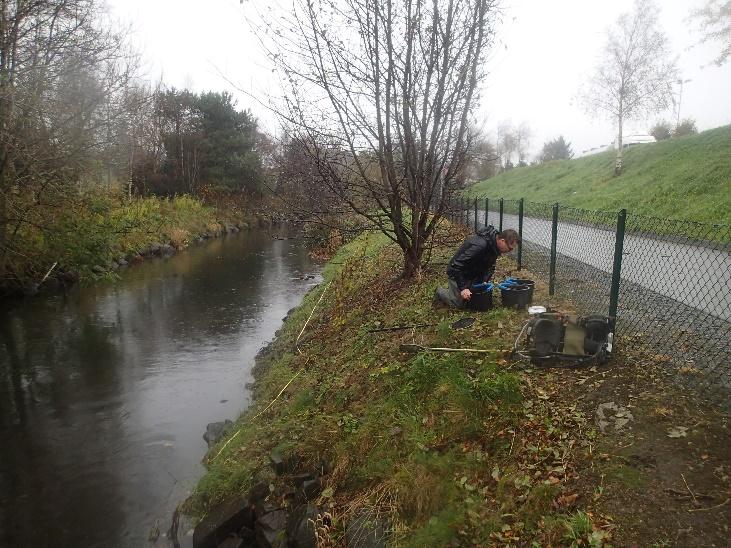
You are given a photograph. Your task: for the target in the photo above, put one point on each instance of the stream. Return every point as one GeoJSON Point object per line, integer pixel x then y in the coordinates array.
{"type": "Point", "coordinates": [106, 391]}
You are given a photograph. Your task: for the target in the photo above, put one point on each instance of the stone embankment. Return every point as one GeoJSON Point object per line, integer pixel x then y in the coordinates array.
{"type": "Point", "coordinates": [293, 514]}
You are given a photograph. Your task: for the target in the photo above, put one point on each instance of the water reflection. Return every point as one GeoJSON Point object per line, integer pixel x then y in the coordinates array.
{"type": "Point", "coordinates": [105, 393]}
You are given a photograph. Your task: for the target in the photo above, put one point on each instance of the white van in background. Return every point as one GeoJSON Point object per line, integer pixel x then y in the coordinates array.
{"type": "Point", "coordinates": [629, 140]}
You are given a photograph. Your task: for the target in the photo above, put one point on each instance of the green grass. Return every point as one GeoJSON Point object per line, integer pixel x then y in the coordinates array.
{"type": "Point", "coordinates": [98, 226]}
{"type": "Point", "coordinates": [444, 446]}
{"type": "Point", "coordinates": [687, 178]}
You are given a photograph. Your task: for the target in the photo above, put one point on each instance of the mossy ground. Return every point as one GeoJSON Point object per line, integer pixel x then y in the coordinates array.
{"type": "Point", "coordinates": [448, 449]}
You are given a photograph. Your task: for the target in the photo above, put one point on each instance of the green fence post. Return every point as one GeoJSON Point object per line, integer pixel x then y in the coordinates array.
{"type": "Point", "coordinates": [554, 237]}
{"type": "Point", "coordinates": [520, 233]}
{"type": "Point", "coordinates": [475, 214]}
{"type": "Point", "coordinates": [487, 207]}
{"type": "Point", "coordinates": [501, 215]}
{"type": "Point", "coordinates": [617, 267]}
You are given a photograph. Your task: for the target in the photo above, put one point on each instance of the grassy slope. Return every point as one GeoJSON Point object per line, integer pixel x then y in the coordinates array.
{"type": "Point", "coordinates": [442, 445]}
{"type": "Point", "coordinates": [687, 178]}
{"type": "Point", "coordinates": [458, 449]}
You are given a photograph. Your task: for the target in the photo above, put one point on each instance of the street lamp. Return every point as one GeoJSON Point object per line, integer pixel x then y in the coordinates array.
{"type": "Point", "coordinates": [680, 98]}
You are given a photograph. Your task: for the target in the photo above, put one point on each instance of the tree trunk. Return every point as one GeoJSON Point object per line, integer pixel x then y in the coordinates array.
{"type": "Point", "coordinates": [5, 50]}
{"type": "Point", "coordinates": [618, 161]}
{"type": "Point", "coordinates": [3, 223]}
{"type": "Point", "coordinates": [412, 260]}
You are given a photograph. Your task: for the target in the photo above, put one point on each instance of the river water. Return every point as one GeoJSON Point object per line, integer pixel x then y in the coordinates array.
{"type": "Point", "coordinates": [106, 392]}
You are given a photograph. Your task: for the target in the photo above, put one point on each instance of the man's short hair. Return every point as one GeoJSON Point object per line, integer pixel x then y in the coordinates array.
{"type": "Point", "coordinates": [510, 236]}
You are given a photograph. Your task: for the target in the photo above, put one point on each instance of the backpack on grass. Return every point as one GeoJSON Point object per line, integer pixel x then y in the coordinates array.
{"type": "Point", "coordinates": [551, 338]}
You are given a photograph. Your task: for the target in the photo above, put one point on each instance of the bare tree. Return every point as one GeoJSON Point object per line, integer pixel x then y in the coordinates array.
{"type": "Point", "coordinates": [506, 143]}
{"type": "Point", "coordinates": [523, 136]}
{"type": "Point", "coordinates": [59, 67]}
{"type": "Point", "coordinates": [383, 92]}
{"type": "Point", "coordinates": [714, 19]}
{"type": "Point", "coordinates": [484, 159]}
{"type": "Point", "coordinates": [636, 73]}
{"type": "Point", "coordinates": [138, 151]}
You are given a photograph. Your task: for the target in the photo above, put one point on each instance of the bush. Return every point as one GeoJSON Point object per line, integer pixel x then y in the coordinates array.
{"type": "Point", "coordinates": [95, 226]}
{"type": "Point", "coordinates": [662, 130]}
{"type": "Point", "coordinates": [686, 127]}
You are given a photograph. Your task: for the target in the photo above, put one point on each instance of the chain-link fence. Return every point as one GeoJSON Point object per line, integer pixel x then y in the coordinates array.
{"type": "Point", "coordinates": [667, 282]}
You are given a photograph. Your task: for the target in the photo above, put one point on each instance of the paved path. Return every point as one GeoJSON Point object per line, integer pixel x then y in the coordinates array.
{"type": "Point", "coordinates": [696, 276]}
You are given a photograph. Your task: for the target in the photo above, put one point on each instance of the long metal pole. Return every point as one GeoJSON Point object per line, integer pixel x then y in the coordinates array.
{"type": "Point", "coordinates": [475, 214]}
{"type": "Point", "coordinates": [554, 237]}
{"type": "Point", "coordinates": [617, 267]}
{"type": "Point", "coordinates": [520, 233]}
{"type": "Point", "coordinates": [501, 215]}
{"type": "Point", "coordinates": [487, 207]}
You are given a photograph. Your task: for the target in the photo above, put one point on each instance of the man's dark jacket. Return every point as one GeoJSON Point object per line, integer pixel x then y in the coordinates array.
{"type": "Point", "coordinates": [474, 261]}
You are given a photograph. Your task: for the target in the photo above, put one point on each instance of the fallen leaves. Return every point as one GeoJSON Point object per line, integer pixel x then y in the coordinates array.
{"type": "Point", "coordinates": [663, 411]}
{"type": "Point", "coordinates": [677, 432]}
{"type": "Point", "coordinates": [567, 500]}
{"type": "Point", "coordinates": [610, 413]}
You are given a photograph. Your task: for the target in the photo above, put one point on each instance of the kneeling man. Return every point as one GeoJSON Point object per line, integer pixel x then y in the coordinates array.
{"type": "Point", "coordinates": [474, 263]}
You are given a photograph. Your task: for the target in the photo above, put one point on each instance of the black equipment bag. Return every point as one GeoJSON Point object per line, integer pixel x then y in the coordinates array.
{"type": "Point", "coordinates": [552, 336]}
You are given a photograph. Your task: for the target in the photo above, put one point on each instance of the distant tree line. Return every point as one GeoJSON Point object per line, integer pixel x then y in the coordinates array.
{"type": "Point", "coordinates": [75, 119]}
{"type": "Point", "coordinates": [185, 140]}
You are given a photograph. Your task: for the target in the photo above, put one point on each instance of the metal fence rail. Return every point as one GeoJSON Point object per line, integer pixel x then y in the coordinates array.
{"type": "Point", "coordinates": [668, 282]}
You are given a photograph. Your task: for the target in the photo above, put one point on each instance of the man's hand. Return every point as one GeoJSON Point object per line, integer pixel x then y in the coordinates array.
{"type": "Point", "coordinates": [466, 294]}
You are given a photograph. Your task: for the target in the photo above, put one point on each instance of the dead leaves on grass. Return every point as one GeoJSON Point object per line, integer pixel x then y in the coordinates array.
{"type": "Point", "coordinates": [677, 432]}
{"type": "Point", "coordinates": [663, 411]}
{"type": "Point", "coordinates": [565, 501]}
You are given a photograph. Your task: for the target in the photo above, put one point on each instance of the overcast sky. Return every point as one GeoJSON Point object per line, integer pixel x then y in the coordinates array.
{"type": "Point", "coordinates": [545, 51]}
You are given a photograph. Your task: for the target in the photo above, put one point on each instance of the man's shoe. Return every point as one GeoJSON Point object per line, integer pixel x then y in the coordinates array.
{"type": "Point", "coordinates": [436, 302]}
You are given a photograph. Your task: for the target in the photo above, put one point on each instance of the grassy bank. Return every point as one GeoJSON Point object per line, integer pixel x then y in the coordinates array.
{"type": "Point", "coordinates": [686, 178]}
{"type": "Point", "coordinates": [440, 449]}
{"type": "Point", "coordinates": [88, 237]}
{"type": "Point", "coordinates": [421, 439]}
